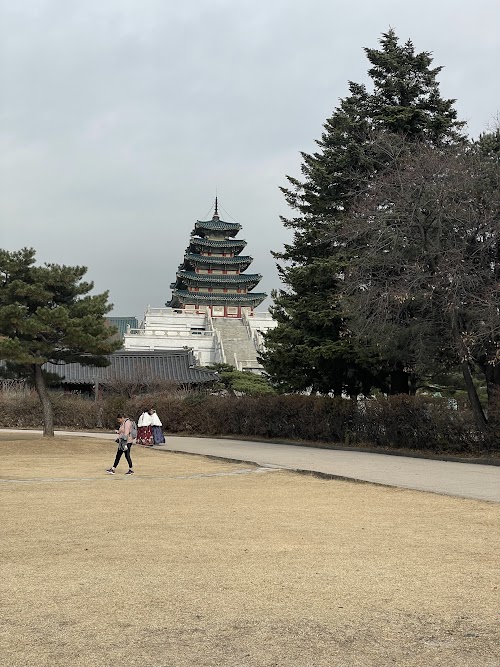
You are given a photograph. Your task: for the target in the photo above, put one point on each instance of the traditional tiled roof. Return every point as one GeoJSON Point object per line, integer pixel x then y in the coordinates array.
{"type": "Point", "coordinates": [160, 365]}
{"type": "Point", "coordinates": [207, 278]}
{"type": "Point", "coordinates": [235, 245]}
{"type": "Point", "coordinates": [218, 299]}
{"type": "Point", "coordinates": [216, 225]}
{"type": "Point", "coordinates": [242, 261]}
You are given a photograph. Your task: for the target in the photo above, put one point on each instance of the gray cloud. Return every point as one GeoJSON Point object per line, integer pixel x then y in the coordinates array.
{"type": "Point", "coordinates": [120, 118]}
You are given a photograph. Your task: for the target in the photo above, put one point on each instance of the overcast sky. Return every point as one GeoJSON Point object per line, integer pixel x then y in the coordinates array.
{"type": "Point", "coordinates": [121, 118]}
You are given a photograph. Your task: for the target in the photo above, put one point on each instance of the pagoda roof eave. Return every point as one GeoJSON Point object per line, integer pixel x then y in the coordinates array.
{"type": "Point", "coordinates": [183, 296]}
{"type": "Point", "coordinates": [219, 278]}
{"type": "Point", "coordinates": [207, 227]}
{"type": "Point", "coordinates": [197, 231]}
{"type": "Point", "coordinates": [218, 224]}
{"type": "Point", "coordinates": [206, 260]}
{"type": "Point", "coordinates": [236, 245]}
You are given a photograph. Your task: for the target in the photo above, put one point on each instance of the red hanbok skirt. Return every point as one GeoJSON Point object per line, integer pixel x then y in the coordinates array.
{"type": "Point", "coordinates": [144, 435]}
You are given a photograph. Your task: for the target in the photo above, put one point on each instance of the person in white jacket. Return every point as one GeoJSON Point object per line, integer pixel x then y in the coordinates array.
{"type": "Point", "coordinates": [144, 429]}
{"type": "Point", "coordinates": [158, 437]}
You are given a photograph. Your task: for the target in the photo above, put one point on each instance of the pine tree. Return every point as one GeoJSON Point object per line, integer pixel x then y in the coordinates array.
{"type": "Point", "coordinates": [406, 98]}
{"type": "Point", "coordinates": [312, 348]}
{"type": "Point", "coordinates": [47, 314]}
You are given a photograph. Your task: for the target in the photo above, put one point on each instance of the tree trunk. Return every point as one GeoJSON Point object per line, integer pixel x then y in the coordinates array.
{"type": "Point", "coordinates": [337, 386]}
{"type": "Point", "coordinates": [492, 377]}
{"type": "Point", "coordinates": [43, 395]}
{"type": "Point", "coordinates": [351, 386]}
{"type": "Point", "coordinates": [399, 382]}
{"type": "Point", "coordinates": [474, 401]}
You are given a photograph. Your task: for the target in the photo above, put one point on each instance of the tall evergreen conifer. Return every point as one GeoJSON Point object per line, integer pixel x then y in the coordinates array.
{"type": "Point", "coordinates": [312, 348]}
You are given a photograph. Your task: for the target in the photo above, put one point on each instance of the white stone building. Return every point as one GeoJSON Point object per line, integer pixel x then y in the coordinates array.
{"type": "Point", "coordinates": [235, 341]}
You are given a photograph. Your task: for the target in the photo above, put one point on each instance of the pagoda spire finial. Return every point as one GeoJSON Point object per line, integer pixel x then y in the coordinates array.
{"type": "Point", "coordinates": [216, 213]}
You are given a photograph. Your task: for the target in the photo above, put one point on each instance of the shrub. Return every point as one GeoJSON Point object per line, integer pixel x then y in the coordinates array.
{"type": "Point", "coordinates": [74, 412]}
{"type": "Point", "coordinates": [19, 410]}
{"type": "Point", "coordinates": [416, 423]}
{"type": "Point", "coordinates": [400, 422]}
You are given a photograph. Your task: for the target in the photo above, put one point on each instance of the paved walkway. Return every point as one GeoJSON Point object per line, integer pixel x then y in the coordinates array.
{"type": "Point", "coordinates": [466, 480]}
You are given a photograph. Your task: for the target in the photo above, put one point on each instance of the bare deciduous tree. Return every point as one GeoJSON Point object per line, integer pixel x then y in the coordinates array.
{"type": "Point", "coordinates": [424, 283]}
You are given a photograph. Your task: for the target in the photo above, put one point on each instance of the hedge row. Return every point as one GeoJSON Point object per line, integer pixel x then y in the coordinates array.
{"type": "Point", "coordinates": [400, 422]}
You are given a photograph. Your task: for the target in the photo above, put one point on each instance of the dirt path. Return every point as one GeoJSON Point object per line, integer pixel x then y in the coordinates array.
{"type": "Point", "coordinates": [195, 562]}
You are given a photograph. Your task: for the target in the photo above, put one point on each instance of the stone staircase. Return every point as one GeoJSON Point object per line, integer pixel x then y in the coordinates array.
{"type": "Point", "coordinates": [239, 349]}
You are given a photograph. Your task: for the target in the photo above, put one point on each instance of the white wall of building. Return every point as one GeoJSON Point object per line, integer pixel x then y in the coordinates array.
{"type": "Point", "coordinates": [169, 329]}
{"type": "Point", "coordinates": [172, 329]}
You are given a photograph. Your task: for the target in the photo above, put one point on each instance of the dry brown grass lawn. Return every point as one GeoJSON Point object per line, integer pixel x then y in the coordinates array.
{"type": "Point", "coordinates": [187, 565]}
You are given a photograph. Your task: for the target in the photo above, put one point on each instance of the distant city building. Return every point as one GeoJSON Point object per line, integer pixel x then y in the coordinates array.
{"type": "Point", "coordinates": [212, 309]}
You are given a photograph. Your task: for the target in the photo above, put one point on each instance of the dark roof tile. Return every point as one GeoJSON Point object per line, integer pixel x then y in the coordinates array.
{"type": "Point", "coordinates": [163, 365]}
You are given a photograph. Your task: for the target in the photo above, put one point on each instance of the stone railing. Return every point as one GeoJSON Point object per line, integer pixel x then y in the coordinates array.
{"type": "Point", "coordinates": [219, 348]}
{"type": "Point", "coordinates": [246, 364]}
{"type": "Point", "coordinates": [220, 355]}
{"type": "Point", "coordinates": [254, 334]}
{"type": "Point", "coordinates": [166, 311]}
{"type": "Point", "coordinates": [210, 322]}
{"type": "Point", "coordinates": [171, 333]}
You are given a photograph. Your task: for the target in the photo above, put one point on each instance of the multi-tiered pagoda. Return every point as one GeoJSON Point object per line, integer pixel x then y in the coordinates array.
{"type": "Point", "coordinates": [212, 274]}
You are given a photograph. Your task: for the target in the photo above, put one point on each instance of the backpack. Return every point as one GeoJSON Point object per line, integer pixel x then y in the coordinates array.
{"type": "Point", "coordinates": [133, 429]}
